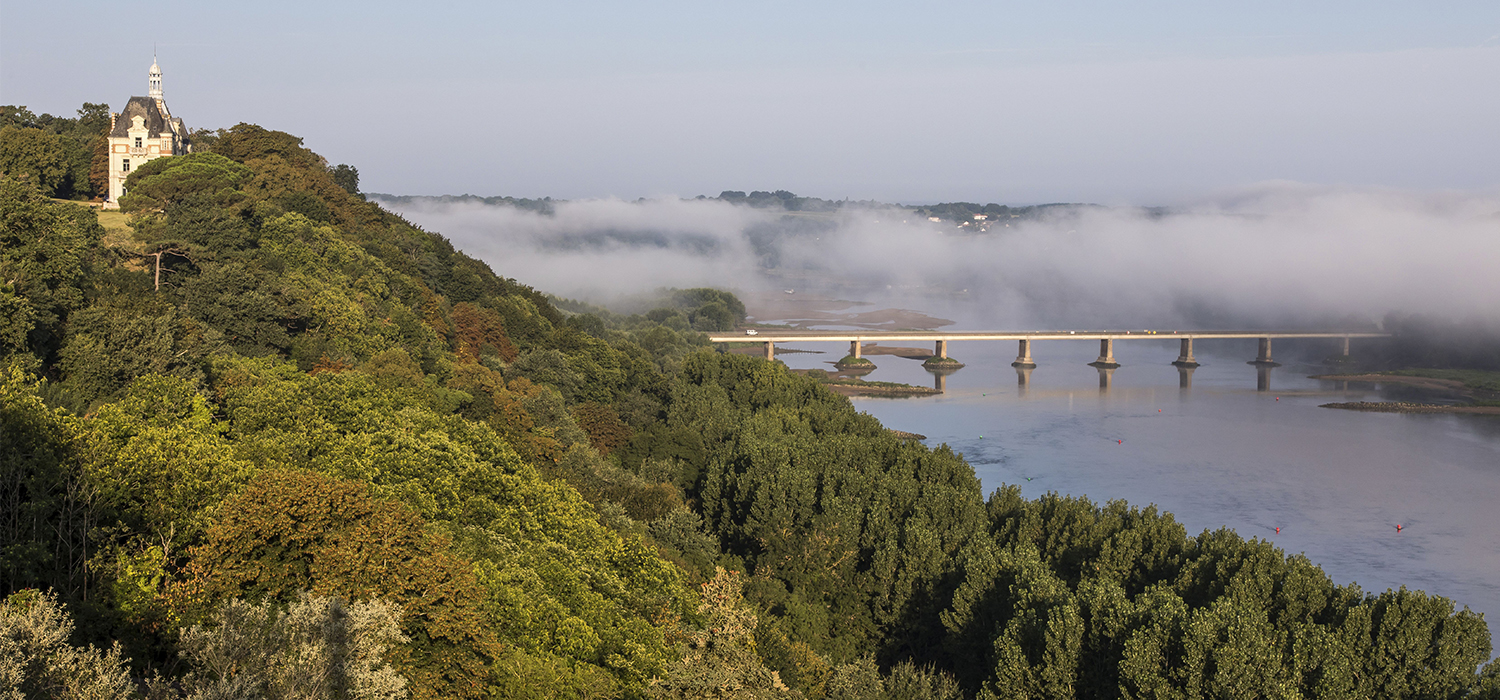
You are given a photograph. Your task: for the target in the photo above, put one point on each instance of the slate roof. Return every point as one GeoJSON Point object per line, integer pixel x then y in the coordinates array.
{"type": "Point", "coordinates": [156, 123]}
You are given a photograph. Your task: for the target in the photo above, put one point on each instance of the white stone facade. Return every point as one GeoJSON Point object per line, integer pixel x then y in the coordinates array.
{"type": "Point", "coordinates": [144, 131]}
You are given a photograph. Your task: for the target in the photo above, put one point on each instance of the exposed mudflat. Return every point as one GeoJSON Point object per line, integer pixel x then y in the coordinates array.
{"type": "Point", "coordinates": [809, 312]}
{"type": "Point", "coordinates": [1408, 407]}
{"type": "Point", "coordinates": [908, 353]}
{"type": "Point", "coordinates": [1424, 382]}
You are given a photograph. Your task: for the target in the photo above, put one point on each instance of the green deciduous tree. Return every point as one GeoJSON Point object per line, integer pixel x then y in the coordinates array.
{"type": "Point", "coordinates": [347, 177]}
{"type": "Point", "coordinates": [34, 156]}
{"type": "Point", "coordinates": [852, 535]}
{"type": "Point", "coordinates": [47, 508]}
{"type": "Point", "coordinates": [47, 251]}
{"type": "Point", "coordinates": [1068, 599]}
{"type": "Point", "coordinates": [159, 460]}
{"type": "Point", "coordinates": [108, 348]}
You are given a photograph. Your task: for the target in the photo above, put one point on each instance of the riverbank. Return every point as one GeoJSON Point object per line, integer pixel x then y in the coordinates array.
{"type": "Point", "coordinates": [860, 387]}
{"type": "Point", "coordinates": [1409, 407]}
{"type": "Point", "coordinates": [1432, 383]}
{"type": "Point", "coordinates": [1476, 387]}
{"type": "Point", "coordinates": [848, 383]}
{"type": "Point", "coordinates": [759, 349]}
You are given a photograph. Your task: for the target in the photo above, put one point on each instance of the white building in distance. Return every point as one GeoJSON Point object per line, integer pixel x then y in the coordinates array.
{"type": "Point", "coordinates": [145, 130]}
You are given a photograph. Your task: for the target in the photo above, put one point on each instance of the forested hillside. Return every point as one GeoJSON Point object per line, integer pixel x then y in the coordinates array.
{"type": "Point", "coordinates": [274, 441]}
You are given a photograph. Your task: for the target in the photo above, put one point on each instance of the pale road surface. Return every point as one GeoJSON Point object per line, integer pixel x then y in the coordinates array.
{"type": "Point", "coordinates": [790, 336]}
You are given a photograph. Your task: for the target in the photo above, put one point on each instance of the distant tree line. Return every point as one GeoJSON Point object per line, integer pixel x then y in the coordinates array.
{"type": "Point", "coordinates": [783, 200]}
{"type": "Point", "coordinates": [64, 157]}
{"type": "Point", "coordinates": [544, 205]}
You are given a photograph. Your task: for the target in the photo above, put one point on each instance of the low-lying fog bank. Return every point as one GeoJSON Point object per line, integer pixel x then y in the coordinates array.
{"type": "Point", "coordinates": [1276, 254]}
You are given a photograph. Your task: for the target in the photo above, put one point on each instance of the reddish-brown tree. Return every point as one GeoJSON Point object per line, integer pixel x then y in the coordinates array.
{"type": "Point", "coordinates": [607, 432]}
{"type": "Point", "coordinates": [479, 331]}
{"type": "Point", "coordinates": [291, 531]}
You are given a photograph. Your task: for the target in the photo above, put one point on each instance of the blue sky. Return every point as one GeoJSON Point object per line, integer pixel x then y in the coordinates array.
{"type": "Point", "coordinates": [1145, 102]}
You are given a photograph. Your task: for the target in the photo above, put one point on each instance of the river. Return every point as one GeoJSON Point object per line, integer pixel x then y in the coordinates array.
{"type": "Point", "coordinates": [1229, 451]}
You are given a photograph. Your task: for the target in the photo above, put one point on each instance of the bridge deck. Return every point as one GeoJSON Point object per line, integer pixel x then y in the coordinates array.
{"type": "Point", "coordinates": [780, 336]}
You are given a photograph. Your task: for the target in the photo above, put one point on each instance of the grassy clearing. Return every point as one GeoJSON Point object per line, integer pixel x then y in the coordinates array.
{"type": "Point", "coordinates": [1472, 378]}
{"type": "Point", "coordinates": [117, 232]}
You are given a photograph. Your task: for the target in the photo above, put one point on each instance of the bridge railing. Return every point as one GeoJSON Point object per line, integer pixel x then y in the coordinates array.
{"type": "Point", "coordinates": [1024, 339]}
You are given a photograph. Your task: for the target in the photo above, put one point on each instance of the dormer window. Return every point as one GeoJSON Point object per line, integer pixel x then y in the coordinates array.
{"type": "Point", "coordinates": [137, 142]}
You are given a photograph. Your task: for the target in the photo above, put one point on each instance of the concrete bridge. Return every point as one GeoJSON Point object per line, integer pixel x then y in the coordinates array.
{"type": "Point", "coordinates": [1024, 339]}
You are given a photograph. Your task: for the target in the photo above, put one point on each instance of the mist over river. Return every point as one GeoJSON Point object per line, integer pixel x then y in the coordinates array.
{"type": "Point", "coordinates": [1223, 453]}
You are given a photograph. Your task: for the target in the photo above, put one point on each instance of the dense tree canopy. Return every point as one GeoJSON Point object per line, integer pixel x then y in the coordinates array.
{"type": "Point", "coordinates": [279, 403]}
{"type": "Point", "coordinates": [65, 156]}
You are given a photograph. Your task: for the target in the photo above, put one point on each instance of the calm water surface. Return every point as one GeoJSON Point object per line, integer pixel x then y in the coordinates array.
{"type": "Point", "coordinates": [1224, 453]}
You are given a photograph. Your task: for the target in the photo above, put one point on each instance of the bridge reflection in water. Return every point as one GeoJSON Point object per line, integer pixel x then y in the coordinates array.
{"type": "Point", "coordinates": [940, 376]}
{"type": "Point", "coordinates": [1106, 378]}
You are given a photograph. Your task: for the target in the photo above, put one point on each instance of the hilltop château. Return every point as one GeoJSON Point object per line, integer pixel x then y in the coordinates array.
{"type": "Point", "coordinates": [145, 130]}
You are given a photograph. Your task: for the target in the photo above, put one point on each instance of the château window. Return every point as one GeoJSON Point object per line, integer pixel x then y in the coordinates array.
{"type": "Point", "coordinates": [125, 165]}
{"type": "Point", "coordinates": [137, 142]}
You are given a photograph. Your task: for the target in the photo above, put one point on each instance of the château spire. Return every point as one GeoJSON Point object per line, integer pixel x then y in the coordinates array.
{"type": "Point", "coordinates": [155, 79]}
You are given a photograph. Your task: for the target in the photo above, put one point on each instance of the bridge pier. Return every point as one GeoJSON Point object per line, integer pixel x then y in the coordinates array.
{"type": "Point", "coordinates": [940, 359]}
{"type": "Point", "coordinates": [1263, 357]}
{"type": "Point", "coordinates": [1106, 355]}
{"type": "Point", "coordinates": [1346, 346]}
{"type": "Point", "coordinates": [1023, 355]}
{"type": "Point", "coordinates": [770, 350]}
{"type": "Point", "coordinates": [855, 360]}
{"type": "Point", "coordinates": [1185, 357]}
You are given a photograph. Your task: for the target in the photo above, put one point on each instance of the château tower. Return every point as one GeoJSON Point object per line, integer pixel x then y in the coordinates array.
{"type": "Point", "coordinates": [145, 130]}
{"type": "Point", "coordinates": [155, 80]}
